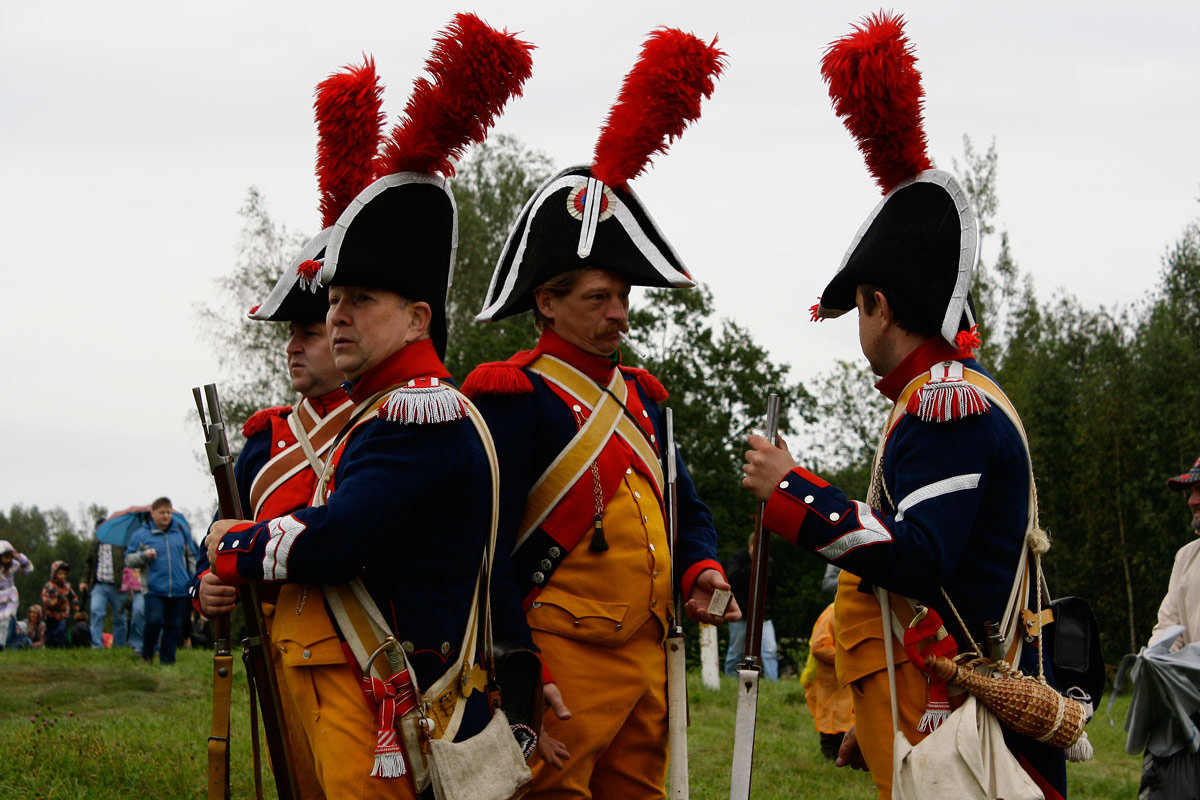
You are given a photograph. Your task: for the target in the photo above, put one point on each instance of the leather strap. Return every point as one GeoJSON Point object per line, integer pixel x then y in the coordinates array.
{"type": "Point", "coordinates": [606, 419]}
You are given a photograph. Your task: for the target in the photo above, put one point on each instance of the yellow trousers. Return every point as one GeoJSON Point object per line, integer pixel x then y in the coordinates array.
{"type": "Point", "coordinates": [617, 733]}
{"type": "Point", "coordinates": [873, 718]}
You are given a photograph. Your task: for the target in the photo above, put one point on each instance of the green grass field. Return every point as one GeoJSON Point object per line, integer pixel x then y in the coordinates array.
{"type": "Point", "coordinates": [100, 724]}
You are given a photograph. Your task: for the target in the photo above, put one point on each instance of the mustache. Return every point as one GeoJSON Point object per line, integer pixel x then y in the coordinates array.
{"type": "Point", "coordinates": [617, 328]}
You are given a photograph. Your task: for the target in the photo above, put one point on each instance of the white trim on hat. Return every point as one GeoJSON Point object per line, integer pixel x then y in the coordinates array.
{"type": "Point", "coordinates": [378, 187]}
{"type": "Point", "coordinates": [571, 178]}
{"type": "Point", "coordinates": [283, 286]}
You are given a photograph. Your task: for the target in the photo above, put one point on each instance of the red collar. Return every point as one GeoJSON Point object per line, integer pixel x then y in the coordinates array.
{"type": "Point", "coordinates": [929, 352]}
{"type": "Point", "coordinates": [327, 403]}
{"type": "Point", "coordinates": [414, 360]}
{"type": "Point", "coordinates": [598, 368]}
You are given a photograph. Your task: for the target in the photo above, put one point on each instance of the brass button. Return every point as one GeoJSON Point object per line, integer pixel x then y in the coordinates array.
{"type": "Point", "coordinates": [629, 470]}
{"type": "Point", "coordinates": [445, 648]}
{"type": "Point", "coordinates": [637, 495]}
{"type": "Point", "coordinates": [654, 603]}
{"type": "Point", "coordinates": [307, 653]}
{"type": "Point", "coordinates": [408, 646]}
{"type": "Point", "coordinates": [618, 627]}
{"type": "Point", "coordinates": [536, 604]}
{"type": "Point", "coordinates": [539, 578]}
{"type": "Point", "coordinates": [576, 622]}
{"type": "Point", "coordinates": [555, 552]}
{"type": "Point", "coordinates": [652, 547]}
{"type": "Point", "coordinates": [546, 563]}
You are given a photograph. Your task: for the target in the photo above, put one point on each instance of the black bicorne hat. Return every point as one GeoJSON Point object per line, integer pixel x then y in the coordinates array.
{"type": "Point", "coordinates": [349, 132]}
{"type": "Point", "coordinates": [401, 232]}
{"type": "Point", "coordinates": [920, 242]}
{"type": "Point", "coordinates": [558, 230]}
{"type": "Point", "coordinates": [587, 216]}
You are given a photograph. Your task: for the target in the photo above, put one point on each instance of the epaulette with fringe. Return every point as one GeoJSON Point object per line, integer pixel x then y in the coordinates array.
{"type": "Point", "coordinates": [501, 377]}
{"type": "Point", "coordinates": [423, 401]}
{"type": "Point", "coordinates": [947, 396]}
{"type": "Point", "coordinates": [651, 385]}
{"type": "Point", "coordinates": [260, 420]}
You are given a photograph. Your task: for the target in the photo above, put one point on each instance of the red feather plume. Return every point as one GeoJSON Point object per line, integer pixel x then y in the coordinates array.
{"type": "Point", "coordinates": [349, 131]}
{"type": "Point", "coordinates": [474, 70]}
{"type": "Point", "coordinates": [660, 96]}
{"type": "Point", "coordinates": [876, 89]}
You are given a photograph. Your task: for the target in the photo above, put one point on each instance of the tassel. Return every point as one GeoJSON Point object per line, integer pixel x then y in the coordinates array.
{"type": "Point", "coordinates": [307, 272]}
{"type": "Point", "coordinates": [937, 708]}
{"type": "Point", "coordinates": [1082, 749]}
{"type": "Point", "coordinates": [392, 698]}
{"type": "Point", "coordinates": [389, 760]}
{"type": "Point", "coordinates": [599, 543]}
{"type": "Point", "coordinates": [968, 341]}
{"type": "Point", "coordinates": [422, 404]}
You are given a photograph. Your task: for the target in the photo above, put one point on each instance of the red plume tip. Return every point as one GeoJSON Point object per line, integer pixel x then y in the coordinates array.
{"type": "Point", "coordinates": [473, 71]}
{"type": "Point", "coordinates": [814, 312]}
{"type": "Point", "coordinates": [660, 96]}
{"type": "Point", "coordinates": [876, 89]}
{"type": "Point", "coordinates": [968, 341]}
{"type": "Point", "coordinates": [349, 129]}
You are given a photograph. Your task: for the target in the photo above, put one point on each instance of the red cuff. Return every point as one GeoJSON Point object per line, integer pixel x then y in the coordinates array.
{"type": "Point", "coordinates": [693, 572]}
{"type": "Point", "coordinates": [547, 675]}
{"type": "Point", "coordinates": [226, 563]}
{"type": "Point", "coordinates": [785, 512]}
{"type": "Point", "coordinates": [196, 599]}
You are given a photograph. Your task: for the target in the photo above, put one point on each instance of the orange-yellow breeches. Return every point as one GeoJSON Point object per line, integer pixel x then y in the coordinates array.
{"type": "Point", "coordinates": [300, 757]}
{"type": "Point", "coordinates": [617, 733]}
{"type": "Point", "coordinates": [873, 718]}
{"type": "Point", "coordinates": [339, 727]}
{"type": "Point", "coordinates": [600, 624]}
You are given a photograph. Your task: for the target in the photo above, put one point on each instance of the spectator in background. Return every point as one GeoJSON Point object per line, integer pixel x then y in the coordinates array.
{"type": "Point", "coordinates": [739, 570]}
{"type": "Point", "coordinates": [12, 563]}
{"type": "Point", "coordinates": [167, 552]}
{"type": "Point", "coordinates": [81, 632]}
{"type": "Point", "coordinates": [31, 632]}
{"type": "Point", "coordinates": [831, 705]}
{"type": "Point", "coordinates": [105, 564]}
{"type": "Point", "coordinates": [1170, 776]}
{"type": "Point", "coordinates": [58, 599]}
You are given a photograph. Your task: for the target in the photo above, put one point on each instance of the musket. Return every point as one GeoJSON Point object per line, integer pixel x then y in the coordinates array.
{"type": "Point", "coordinates": [750, 667]}
{"type": "Point", "coordinates": [677, 699]}
{"type": "Point", "coordinates": [258, 668]}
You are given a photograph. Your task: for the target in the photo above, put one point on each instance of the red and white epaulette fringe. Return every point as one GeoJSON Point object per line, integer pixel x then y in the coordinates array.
{"type": "Point", "coordinates": [423, 401]}
{"type": "Point", "coordinates": [947, 396]}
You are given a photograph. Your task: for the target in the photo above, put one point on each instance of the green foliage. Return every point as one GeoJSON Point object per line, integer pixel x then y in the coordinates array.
{"type": "Point", "coordinates": [1108, 421]}
{"type": "Point", "coordinates": [719, 380]}
{"type": "Point", "coordinates": [137, 730]}
{"type": "Point", "coordinates": [251, 354]}
{"type": "Point", "coordinates": [490, 190]}
{"type": "Point", "coordinates": [45, 537]}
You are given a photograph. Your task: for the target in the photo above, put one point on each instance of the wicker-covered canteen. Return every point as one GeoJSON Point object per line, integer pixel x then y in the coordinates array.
{"type": "Point", "coordinates": [1023, 704]}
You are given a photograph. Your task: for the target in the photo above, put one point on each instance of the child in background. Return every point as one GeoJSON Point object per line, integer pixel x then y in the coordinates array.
{"type": "Point", "coordinates": [58, 601]}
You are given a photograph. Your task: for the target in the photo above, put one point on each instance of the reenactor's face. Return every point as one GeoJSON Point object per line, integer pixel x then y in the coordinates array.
{"type": "Point", "coordinates": [367, 325]}
{"type": "Point", "coordinates": [593, 315]}
{"type": "Point", "coordinates": [310, 360]}
{"type": "Point", "coordinates": [1194, 505]}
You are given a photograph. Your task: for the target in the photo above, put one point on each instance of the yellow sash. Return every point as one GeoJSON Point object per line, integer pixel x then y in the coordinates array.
{"type": "Point", "coordinates": [605, 420]}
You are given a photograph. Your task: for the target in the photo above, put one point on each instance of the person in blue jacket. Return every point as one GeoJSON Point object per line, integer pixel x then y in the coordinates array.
{"type": "Point", "coordinates": [165, 548]}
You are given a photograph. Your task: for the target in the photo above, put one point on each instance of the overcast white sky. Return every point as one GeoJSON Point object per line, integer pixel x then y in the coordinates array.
{"type": "Point", "coordinates": [130, 133]}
